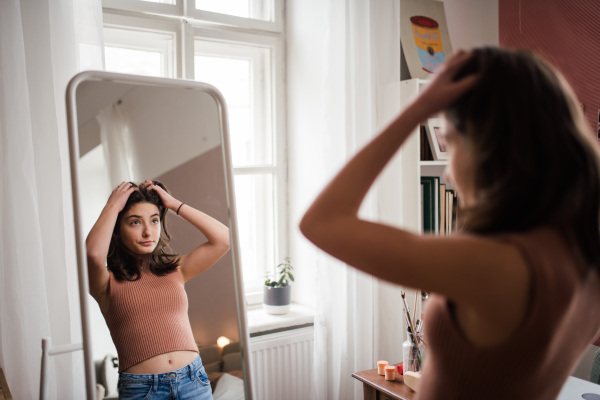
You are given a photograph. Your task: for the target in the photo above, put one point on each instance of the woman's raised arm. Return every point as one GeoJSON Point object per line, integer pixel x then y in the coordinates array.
{"type": "Point", "coordinates": [450, 266]}
{"type": "Point", "coordinates": [343, 196]}
{"type": "Point", "coordinates": [207, 254]}
{"type": "Point", "coordinates": [98, 240]}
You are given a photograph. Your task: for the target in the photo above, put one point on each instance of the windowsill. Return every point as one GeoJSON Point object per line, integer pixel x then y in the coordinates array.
{"type": "Point", "coordinates": [260, 323]}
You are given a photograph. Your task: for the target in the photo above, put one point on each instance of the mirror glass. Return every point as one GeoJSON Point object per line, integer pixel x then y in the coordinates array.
{"type": "Point", "coordinates": [131, 128]}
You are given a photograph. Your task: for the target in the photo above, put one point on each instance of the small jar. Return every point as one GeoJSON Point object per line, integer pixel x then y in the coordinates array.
{"type": "Point", "coordinates": [412, 358]}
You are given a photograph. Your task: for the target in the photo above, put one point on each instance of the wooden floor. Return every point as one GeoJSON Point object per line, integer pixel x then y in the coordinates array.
{"type": "Point", "coordinates": [4, 391]}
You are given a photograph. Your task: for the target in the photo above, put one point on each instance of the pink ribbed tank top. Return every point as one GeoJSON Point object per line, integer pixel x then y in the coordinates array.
{"type": "Point", "coordinates": [562, 320]}
{"type": "Point", "coordinates": [148, 317]}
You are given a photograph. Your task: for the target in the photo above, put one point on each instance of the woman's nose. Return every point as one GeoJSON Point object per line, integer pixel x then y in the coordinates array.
{"type": "Point", "coordinates": [146, 231]}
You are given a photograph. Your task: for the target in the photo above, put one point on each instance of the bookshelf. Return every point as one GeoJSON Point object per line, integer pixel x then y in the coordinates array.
{"type": "Point", "coordinates": [400, 189]}
{"type": "Point", "coordinates": [413, 167]}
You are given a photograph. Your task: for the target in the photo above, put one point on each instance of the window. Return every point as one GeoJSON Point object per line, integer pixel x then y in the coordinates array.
{"type": "Point", "coordinates": [237, 46]}
{"type": "Point", "coordinates": [139, 52]}
{"type": "Point", "coordinates": [256, 9]}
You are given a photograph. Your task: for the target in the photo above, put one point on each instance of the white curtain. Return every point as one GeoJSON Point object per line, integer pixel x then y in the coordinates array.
{"type": "Point", "coordinates": [115, 138]}
{"type": "Point", "coordinates": [344, 71]}
{"type": "Point", "coordinates": [41, 43]}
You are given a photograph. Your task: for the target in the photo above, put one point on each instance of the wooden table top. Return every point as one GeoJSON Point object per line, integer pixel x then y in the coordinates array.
{"type": "Point", "coordinates": [396, 389]}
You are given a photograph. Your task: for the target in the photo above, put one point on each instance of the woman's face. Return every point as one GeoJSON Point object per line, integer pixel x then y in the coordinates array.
{"type": "Point", "coordinates": [140, 228]}
{"type": "Point", "coordinates": [460, 169]}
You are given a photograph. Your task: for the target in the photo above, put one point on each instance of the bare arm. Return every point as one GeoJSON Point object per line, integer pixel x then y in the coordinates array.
{"type": "Point", "coordinates": [455, 266]}
{"type": "Point", "coordinates": [207, 254]}
{"type": "Point", "coordinates": [98, 240]}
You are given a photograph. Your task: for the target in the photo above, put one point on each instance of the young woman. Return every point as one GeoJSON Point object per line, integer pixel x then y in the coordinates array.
{"type": "Point", "coordinates": [516, 294]}
{"type": "Point", "coordinates": [141, 294]}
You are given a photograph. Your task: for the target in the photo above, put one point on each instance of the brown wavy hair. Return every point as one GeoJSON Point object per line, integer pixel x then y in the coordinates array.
{"type": "Point", "coordinates": [126, 265]}
{"type": "Point", "coordinates": [535, 162]}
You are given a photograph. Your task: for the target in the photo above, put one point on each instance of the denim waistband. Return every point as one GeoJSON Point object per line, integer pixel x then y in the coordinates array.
{"type": "Point", "coordinates": [189, 371]}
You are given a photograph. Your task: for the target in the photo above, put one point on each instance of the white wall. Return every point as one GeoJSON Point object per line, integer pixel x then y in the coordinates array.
{"type": "Point", "coordinates": [472, 23]}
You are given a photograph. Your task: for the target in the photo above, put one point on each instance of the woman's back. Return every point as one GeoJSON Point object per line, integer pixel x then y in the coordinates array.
{"type": "Point", "coordinates": [535, 361]}
{"type": "Point", "coordinates": [512, 316]}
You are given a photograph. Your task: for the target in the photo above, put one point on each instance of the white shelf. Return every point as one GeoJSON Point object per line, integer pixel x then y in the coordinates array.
{"type": "Point", "coordinates": [441, 163]}
{"type": "Point", "coordinates": [413, 168]}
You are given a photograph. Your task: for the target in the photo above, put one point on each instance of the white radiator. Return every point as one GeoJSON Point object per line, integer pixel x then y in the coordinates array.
{"type": "Point", "coordinates": [282, 364]}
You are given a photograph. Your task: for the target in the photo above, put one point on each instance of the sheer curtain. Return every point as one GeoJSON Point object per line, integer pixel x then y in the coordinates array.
{"type": "Point", "coordinates": [344, 69]}
{"type": "Point", "coordinates": [116, 143]}
{"type": "Point", "coordinates": [40, 45]}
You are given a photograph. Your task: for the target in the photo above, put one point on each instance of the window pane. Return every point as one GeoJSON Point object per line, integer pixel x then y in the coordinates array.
{"type": "Point", "coordinates": [129, 61]}
{"type": "Point", "coordinates": [139, 52]}
{"type": "Point", "coordinates": [161, 1]}
{"type": "Point", "coordinates": [255, 209]}
{"type": "Point", "coordinates": [256, 9]}
{"type": "Point", "coordinates": [243, 82]}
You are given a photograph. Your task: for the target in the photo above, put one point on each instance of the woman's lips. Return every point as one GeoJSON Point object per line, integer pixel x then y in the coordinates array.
{"type": "Point", "coordinates": [149, 243]}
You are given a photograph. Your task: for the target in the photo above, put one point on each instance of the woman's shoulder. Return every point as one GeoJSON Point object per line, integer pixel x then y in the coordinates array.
{"type": "Point", "coordinates": [540, 237]}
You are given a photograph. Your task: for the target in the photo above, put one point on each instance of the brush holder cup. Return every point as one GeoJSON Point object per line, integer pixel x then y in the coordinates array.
{"type": "Point", "coordinates": [413, 356]}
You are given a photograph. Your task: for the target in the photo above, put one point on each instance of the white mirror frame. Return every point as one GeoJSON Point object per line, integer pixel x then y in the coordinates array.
{"type": "Point", "coordinates": [72, 125]}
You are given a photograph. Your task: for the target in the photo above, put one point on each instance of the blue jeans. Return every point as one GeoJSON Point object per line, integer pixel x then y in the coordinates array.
{"type": "Point", "coordinates": [187, 383]}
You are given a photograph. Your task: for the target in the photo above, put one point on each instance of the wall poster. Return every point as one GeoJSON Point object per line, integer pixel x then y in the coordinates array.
{"type": "Point", "coordinates": [424, 37]}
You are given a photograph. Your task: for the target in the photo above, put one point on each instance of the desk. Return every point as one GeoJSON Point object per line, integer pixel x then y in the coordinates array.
{"type": "Point", "coordinates": [375, 387]}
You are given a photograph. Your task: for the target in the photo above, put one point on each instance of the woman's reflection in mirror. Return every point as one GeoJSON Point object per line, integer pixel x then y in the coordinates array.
{"type": "Point", "coordinates": [138, 283]}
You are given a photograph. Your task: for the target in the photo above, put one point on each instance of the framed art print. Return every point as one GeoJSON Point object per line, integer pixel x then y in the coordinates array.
{"type": "Point", "coordinates": [436, 139]}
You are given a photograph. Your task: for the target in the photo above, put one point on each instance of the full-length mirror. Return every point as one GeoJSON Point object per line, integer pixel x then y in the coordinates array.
{"type": "Point", "coordinates": [130, 128]}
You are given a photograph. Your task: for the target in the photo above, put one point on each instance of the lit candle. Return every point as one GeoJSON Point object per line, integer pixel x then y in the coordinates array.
{"type": "Point", "coordinates": [390, 373]}
{"type": "Point", "coordinates": [381, 367]}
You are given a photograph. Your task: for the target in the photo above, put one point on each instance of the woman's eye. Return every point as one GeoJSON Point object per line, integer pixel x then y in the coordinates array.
{"type": "Point", "coordinates": [155, 221]}
{"type": "Point", "coordinates": [135, 222]}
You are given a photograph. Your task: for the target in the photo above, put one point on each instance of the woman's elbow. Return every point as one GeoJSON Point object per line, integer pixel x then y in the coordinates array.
{"type": "Point", "coordinates": [227, 243]}
{"type": "Point", "coordinates": [225, 240]}
{"type": "Point", "coordinates": [91, 253]}
{"type": "Point", "coordinates": [310, 226]}
{"type": "Point", "coordinates": [94, 260]}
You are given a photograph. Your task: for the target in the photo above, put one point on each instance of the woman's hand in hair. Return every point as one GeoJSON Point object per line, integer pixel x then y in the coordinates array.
{"type": "Point", "coordinates": [168, 201]}
{"type": "Point", "coordinates": [119, 196]}
{"type": "Point", "coordinates": [445, 89]}
{"type": "Point", "coordinates": [98, 242]}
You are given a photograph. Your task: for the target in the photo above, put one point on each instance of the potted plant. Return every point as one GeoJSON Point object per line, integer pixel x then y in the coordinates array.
{"type": "Point", "coordinates": [277, 293]}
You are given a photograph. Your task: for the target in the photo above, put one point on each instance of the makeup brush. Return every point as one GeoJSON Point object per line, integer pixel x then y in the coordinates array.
{"type": "Point", "coordinates": [415, 306]}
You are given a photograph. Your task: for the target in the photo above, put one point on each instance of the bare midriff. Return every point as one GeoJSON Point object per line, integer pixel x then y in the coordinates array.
{"type": "Point", "coordinates": [162, 363]}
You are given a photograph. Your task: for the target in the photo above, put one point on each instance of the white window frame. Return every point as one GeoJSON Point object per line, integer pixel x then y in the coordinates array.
{"type": "Point", "coordinates": [278, 167]}
{"type": "Point", "coordinates": [186, 24]}
{"type": "Point", "coordinates": [187, 8]}
{"type": "Point", "coordinates": [165, 27]}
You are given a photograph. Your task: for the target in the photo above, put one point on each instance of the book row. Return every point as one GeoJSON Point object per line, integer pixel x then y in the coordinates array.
{"type": "Point", "coordinates": [439, 205]}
